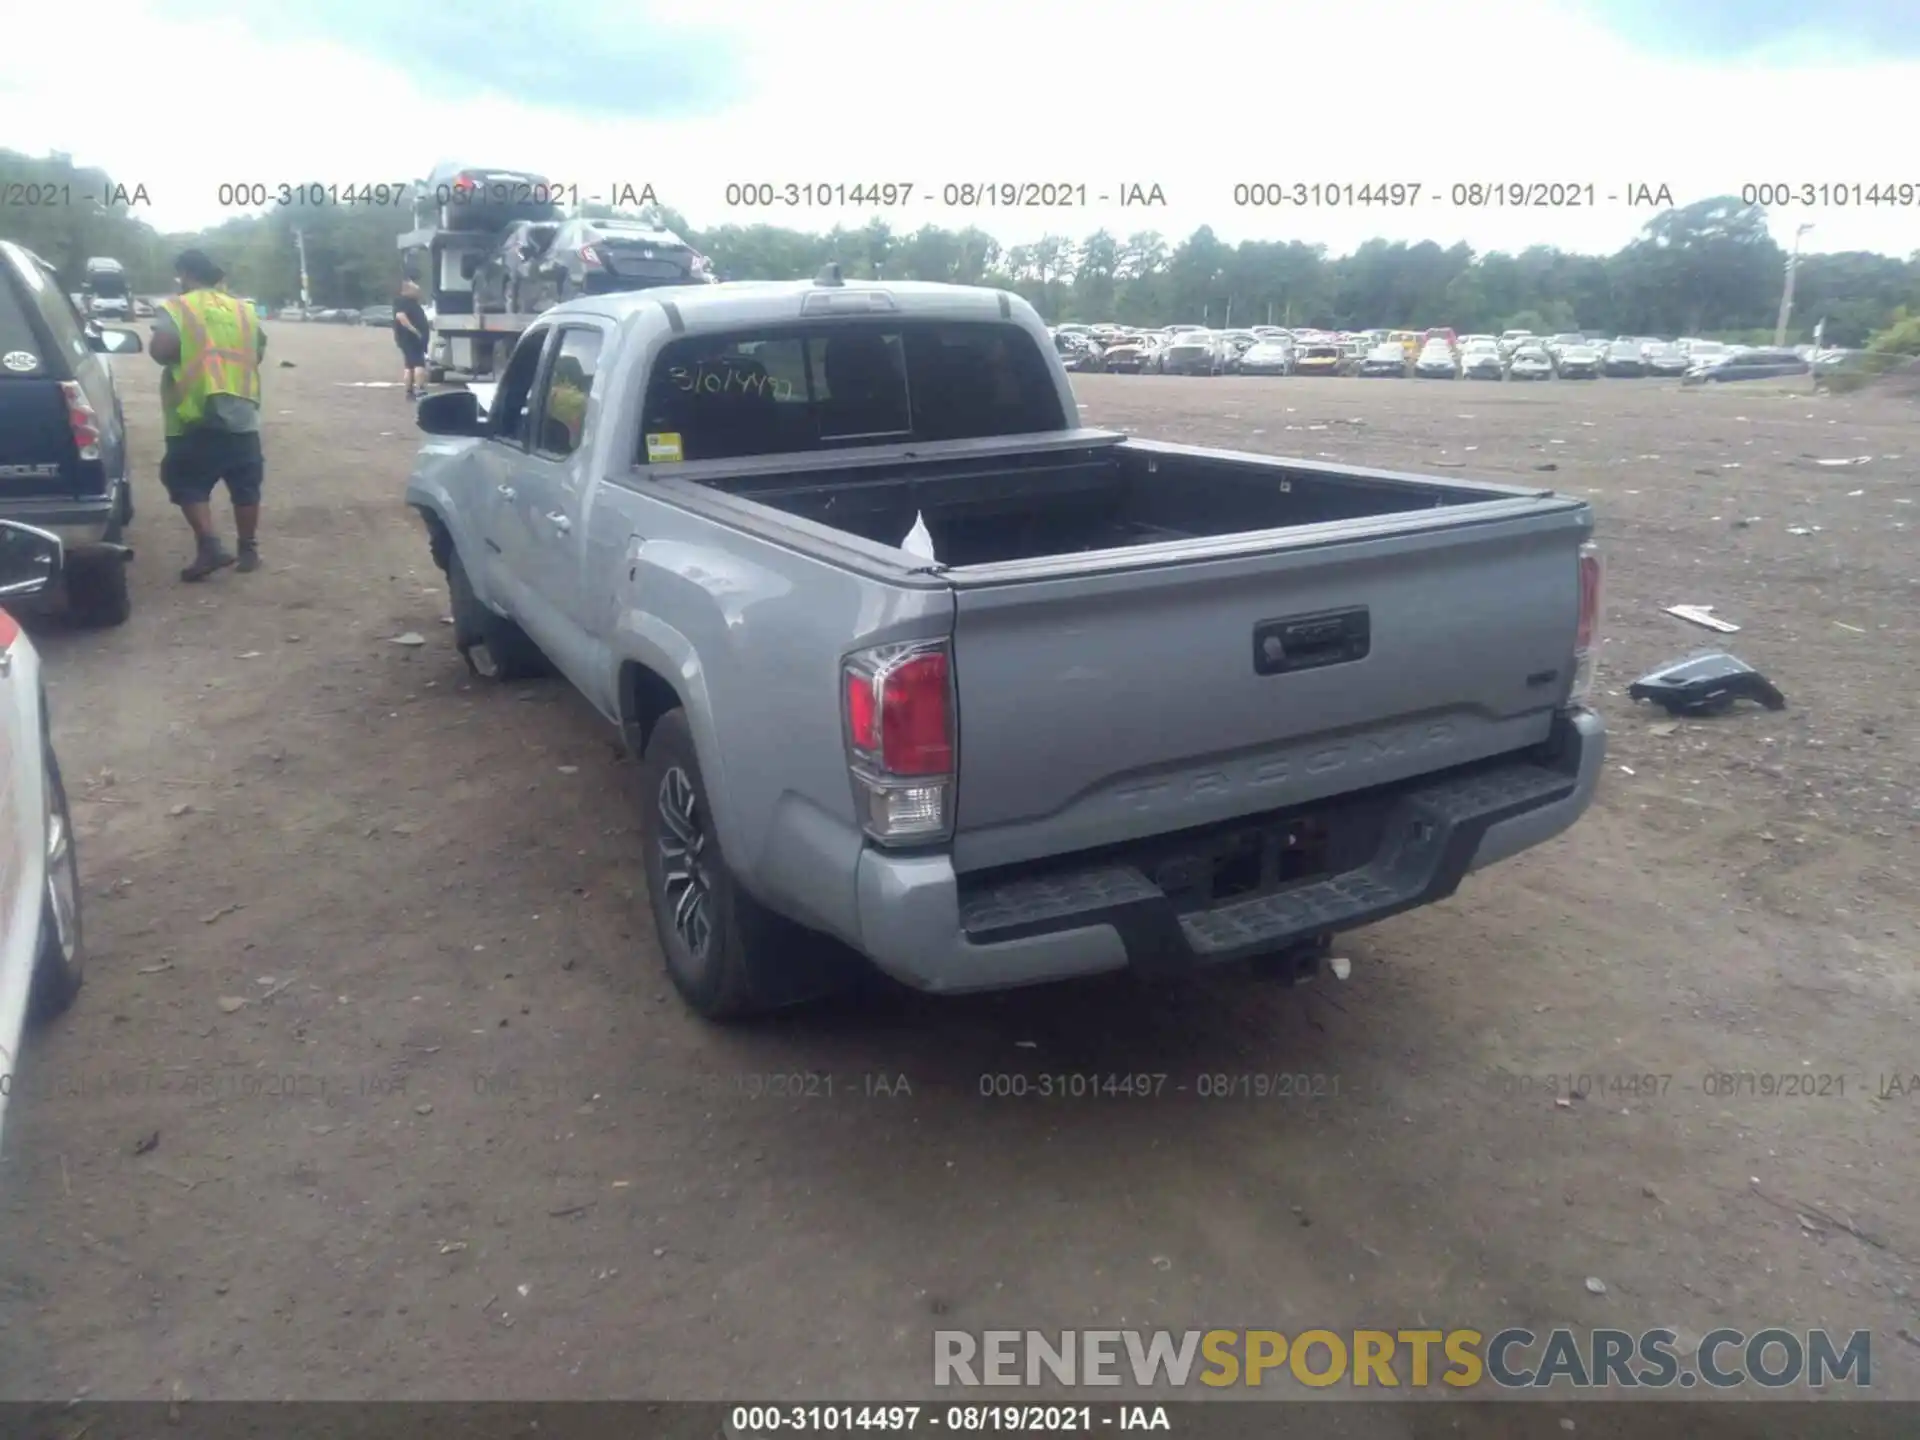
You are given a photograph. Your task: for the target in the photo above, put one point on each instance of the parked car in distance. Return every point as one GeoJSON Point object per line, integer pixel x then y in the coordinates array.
{"type": "Point", "coordinates": [1437, 362]}
{"type": "Point", "coordinates": [976, 583]}
{"type": "Point", "coordinates": [40, 935]}
{"type": "Point", "coordinates": [1193, 352]}
{"type": "Point", "coordinates": [1624, 360]}
{"type": "Point", "coordinates": [290, 312]}
{"type": "Point", "coordinates": [377, 315]}
{"type": "Point", "coordinates": [1078, 351]}
{"type": "Point", "coordinates": [1321, 357]}
{"type": "Point", "coordinates": [1236, 344]}
{"type": "Point", "coordinates": [1579, 362]}
{"type": "Point", "coordinates": [1703, 353]}
{"type": "Point", "coordinates": [1387, 358]}
{"type": "Point", "coordinates": [1481, 360]}
{"type": "Point", "coordinates": [1268, 357]}
{"type": "Point", "coordinates": [1752, 365]}
{"type": "Point", "coordinates": [1530, 362]}
{"type": "Point", "coordinates": [1668, 360]}
{"type": "Point", "coordinates": [1554, 344]}
{"type": "Point", "coordinates": [63, 435]}
{"type": "Point", "coordinates": [1511, 340]}
{"type": "Point", "coordinates": [1128, 355]}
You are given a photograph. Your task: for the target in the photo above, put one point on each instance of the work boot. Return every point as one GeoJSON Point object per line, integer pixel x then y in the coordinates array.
{"type": "Point", "coordinates": [249, 556]}
{"type": "Point", "coordinates": [211, 556]}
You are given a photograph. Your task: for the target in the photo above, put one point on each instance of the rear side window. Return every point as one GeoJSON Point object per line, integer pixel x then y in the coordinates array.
{"type": "Point", "coordinates": [21, 348]}
{"type": "Point", "coordinates": [865, 382]}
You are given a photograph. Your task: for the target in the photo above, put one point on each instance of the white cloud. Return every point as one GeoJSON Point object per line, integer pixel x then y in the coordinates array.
{"type": "Point", "coordinates": [1193, 99]}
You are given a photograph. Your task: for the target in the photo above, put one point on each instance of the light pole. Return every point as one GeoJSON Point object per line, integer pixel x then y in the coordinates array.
{"type": "Point", "coordinates": [1786, 292]}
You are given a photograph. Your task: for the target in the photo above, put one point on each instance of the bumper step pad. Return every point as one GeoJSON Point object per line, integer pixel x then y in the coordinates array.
{"type": "Point", "coordinates": [1427, 844]}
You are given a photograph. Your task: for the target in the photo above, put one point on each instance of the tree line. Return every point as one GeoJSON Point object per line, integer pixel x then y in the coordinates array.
{"type": "Point", "coordinates": [1709, 268]}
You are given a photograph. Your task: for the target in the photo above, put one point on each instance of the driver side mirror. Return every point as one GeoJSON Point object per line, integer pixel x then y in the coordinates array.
{"type": "Point", "coordinates": [452, 412]}
{"type": "Point", "coordinates": [30, 559]}
{"type": "Point", "coordinates": [114, 342]}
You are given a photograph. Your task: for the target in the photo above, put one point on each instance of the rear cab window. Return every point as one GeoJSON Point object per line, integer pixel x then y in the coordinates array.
{"type": "Point", "coordinates": [796, 388]}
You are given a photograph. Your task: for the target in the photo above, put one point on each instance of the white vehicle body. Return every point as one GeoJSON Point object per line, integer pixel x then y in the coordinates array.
{"type": "Point", "coordinates": [39, 879]}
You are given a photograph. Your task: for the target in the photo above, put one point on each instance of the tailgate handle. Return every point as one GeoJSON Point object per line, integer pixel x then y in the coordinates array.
{"type": "Point", "coordinates": [1310, 642]}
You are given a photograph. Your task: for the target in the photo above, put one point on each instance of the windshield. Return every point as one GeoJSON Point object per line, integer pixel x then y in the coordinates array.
{"type": "Point", "coordinates": [110, 286]}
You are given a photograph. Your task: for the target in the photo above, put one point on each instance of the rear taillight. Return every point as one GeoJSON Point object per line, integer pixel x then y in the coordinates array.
{"type": "Point", "coordinates": [82, 420]}
{"type": "Point", "coordinates": [1586, 641]}
{"type": "Point", "coordinates": [898, 702]}
{"type": "Point", "coordinates": [589, 257]}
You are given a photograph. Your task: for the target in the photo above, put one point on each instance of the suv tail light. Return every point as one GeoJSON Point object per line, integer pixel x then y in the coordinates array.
{"type": "Point", "coordinates": [899, 717]}
{"type": "Point", "coordinates": [590, 257]}
{"type": "Point", "coordinates": [1587, 637]}
{"type": "Point", "coordinates": [82, 420]}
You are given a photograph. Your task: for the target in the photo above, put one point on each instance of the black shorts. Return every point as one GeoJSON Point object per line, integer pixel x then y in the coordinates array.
{"type": "Point", "coordinates": [196, 461]}
{"type": "Point", "coordinates": [414, 351]}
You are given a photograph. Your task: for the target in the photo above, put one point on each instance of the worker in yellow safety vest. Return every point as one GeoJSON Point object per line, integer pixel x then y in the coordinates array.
{"type": "Point", "coordinates": [210, 344]}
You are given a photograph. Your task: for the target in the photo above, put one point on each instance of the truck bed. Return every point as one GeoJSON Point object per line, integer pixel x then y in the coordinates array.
{"type": "Point", "coordinates": [1149, 638]}
{"type": "Point", "coordinates": [1108, 495]}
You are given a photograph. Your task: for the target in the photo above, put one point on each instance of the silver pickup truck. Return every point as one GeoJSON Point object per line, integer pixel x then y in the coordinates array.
{"type": "Point", "coordinates": [915, 664]}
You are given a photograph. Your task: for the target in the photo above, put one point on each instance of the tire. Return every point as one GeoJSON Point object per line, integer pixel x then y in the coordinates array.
{"type": "Point", "coordinates": [99, 590]}
{"type": "Point", "coordinates": [58, 966]}
{"type": "Point", "coordinates": [495, 649]}
{"type": "Point", "coordinates": [727, 954]}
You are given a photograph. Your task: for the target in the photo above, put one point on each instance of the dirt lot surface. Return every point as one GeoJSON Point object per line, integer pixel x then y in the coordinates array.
{"type": "Point", "coordinates": [377, 1087]}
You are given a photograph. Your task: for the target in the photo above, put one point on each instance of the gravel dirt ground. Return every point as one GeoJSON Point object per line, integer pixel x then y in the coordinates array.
{"type": "Point", "coordinates": [377, 1088]}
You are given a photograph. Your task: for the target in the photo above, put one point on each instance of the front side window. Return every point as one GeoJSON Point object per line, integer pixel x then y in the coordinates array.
{"type": "Point", "coordinates": [563, 413]}
{"type": "Point", "coordinates": [859, 382]}
{"type": "Point", "coordinates": [512, 402]}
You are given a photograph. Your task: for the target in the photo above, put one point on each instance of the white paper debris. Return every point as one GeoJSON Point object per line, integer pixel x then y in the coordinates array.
{"type": "Point", "coordinates": [919, 541]}
{"type": "Point", "coordinates": [1703, 615]}
{"type": "Point", "coordinates": [1341, 966]}
{"type": "Point", "coordinates": [1855, 460]}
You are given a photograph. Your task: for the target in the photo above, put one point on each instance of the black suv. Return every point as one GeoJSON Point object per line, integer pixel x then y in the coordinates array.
{"type": "Point", "coordinates": [63, 440]}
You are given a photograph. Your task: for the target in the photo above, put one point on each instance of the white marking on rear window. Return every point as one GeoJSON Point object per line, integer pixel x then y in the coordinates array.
{"type": "Point", "coordinates": [20, 360]}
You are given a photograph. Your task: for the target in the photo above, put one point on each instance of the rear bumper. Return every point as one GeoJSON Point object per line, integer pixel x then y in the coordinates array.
{"type": "Point", "coordinates": [80, 524]}
{"type": "Point", "coordinates": [930, 929]}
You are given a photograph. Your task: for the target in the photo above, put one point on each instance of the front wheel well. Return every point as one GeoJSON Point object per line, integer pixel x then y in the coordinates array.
{"type": "Point", "coordinates": [646, 696]}
{"type": "Point", "coordinates": [439, 538]}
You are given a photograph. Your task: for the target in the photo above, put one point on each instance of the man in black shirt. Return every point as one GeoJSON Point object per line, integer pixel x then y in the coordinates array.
{"type": "Point", "coordinates": [410, 333]}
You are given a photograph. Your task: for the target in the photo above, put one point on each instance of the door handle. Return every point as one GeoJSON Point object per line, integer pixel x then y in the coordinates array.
{"type": "Point", "coordinates": [561, 523]}
{"type": "Point", "coordinates": [506, 492]}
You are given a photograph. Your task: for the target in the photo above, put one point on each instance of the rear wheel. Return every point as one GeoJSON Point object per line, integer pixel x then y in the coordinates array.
{"type": "Point", "coordinates": [99, 592]}
{"type": "Point", "coordinates": [57, 969]}
{"type": "Point", "coordinates": [494, 648]}
{"type": "Point", "coordinates": [729, 956]}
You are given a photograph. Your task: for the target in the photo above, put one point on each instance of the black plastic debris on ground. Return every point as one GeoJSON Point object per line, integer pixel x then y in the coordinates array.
{"type": "Point", "coordinates": [1710, 682]}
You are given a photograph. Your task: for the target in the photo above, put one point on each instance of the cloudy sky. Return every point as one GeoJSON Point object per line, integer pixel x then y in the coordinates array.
{"type": "Point", "coordinates": [1700, 96]}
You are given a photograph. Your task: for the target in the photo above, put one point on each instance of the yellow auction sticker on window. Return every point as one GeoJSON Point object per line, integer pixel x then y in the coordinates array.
{"type": "Point", "coordinates": [663, 447]}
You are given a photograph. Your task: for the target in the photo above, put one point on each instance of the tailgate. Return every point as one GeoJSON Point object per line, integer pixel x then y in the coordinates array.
{"type": "Point", "coordinates": [1102, 706]}
{"type": "Point", "coordinates": [37, 457]}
